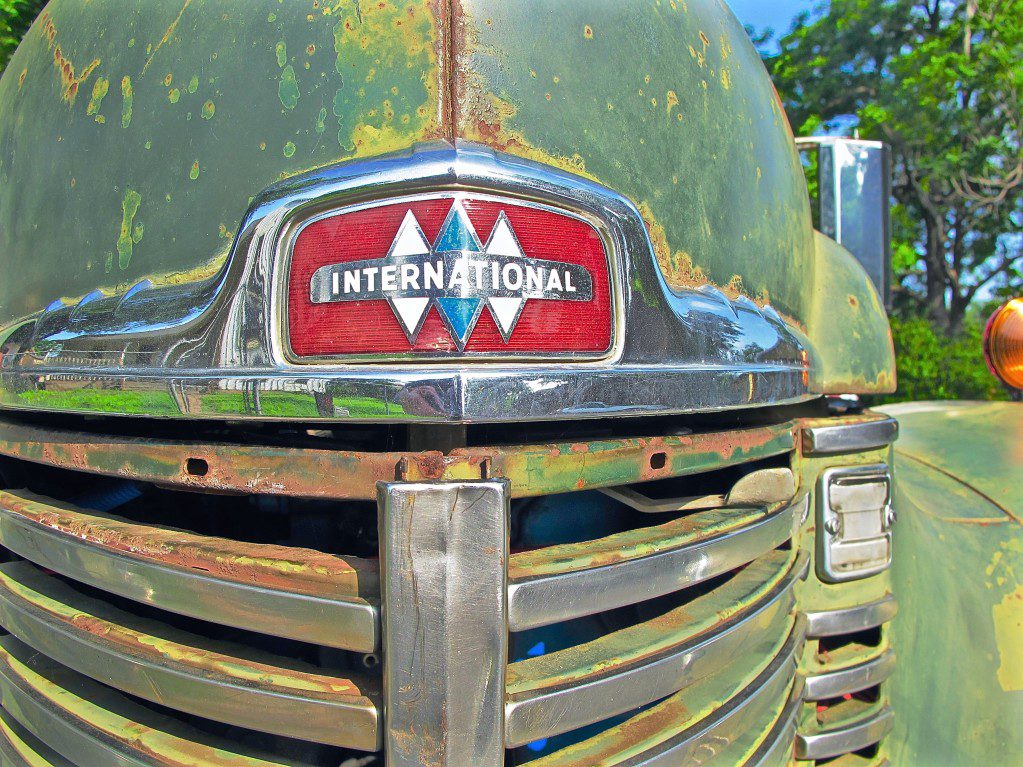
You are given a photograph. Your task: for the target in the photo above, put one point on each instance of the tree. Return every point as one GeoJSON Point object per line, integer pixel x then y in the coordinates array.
{"type": "Point", "coordinates": [16, 16]}
{"type": "Point", "coordinates": [941, 81]}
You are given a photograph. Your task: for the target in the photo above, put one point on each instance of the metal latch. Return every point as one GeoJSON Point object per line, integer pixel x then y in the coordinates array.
{"type": "Point", "coordinates": [854, 522]}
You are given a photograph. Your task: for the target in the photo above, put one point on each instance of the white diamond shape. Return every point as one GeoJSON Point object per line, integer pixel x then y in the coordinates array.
{"type": "Point", "coordinates": [502, 240]}
{"type": "Point", "coordinates": [506, 312]}
{"type": "Point", "coordinates": [409, 240]}
{"type": "Point", "coordinates": [411, 312]}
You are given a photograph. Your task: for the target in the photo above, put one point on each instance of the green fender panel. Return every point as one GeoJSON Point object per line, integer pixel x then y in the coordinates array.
{"type": "Point", "coordinates": [958, 687]}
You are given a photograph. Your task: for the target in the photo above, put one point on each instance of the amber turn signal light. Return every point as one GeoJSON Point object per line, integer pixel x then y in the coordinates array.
{"type": "Point", "coordinates": [1003, 343]}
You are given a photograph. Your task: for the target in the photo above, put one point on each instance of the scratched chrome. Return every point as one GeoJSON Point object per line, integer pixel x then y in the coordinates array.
{"type": "Point", "coordinates": [184, 671]}
{"type": "Point", "coordinates": [845, 738]}
{"type": "Point", "coordinates": [97, 727]}
{"type": "Point", "coordinates": [850, 437]}
{"type": "Point", "coordinates": [846, 681]}
{"type": "Point", "coordinates": [849, 620]}
{"type": "Point", "coordinates": [548, 707]}
{"type": "Point", "coordinates": [545, 599]}
{"type": "Point", "coordinates": [444, 555]}
{"type": "Point", "coordinates": [215, 348]}
{"type": "Point", "coordinates": [335, 622]}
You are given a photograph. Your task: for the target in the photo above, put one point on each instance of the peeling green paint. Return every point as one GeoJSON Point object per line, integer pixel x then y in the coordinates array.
{"type": "Point", "coordinates": [289, 149]}
{"type": "Point", "coordinates": [321, 121]}
{"type": "Point", "coordinates": [208, 110]}
{"type": "Point", "coordinates": [99, 92]}
{"type": "Point", "coordinates": [193, 173]}
{"type": "Point", "coordinates": [281, 49]}
{"type": "Point", "coordinates": [287, 89]}
{"type": "Point", "coordinates": [173, 95]}
{"type": "Point", "coordinates": [193, 84]}
{"type": "Point", "coordinates": [127, 101]}
{"type": "Point", "coordinates": [129, 207]}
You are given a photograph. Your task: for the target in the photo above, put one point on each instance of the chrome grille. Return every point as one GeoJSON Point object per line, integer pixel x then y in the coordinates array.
{"type": "Point", "coordinates": [135, 642]}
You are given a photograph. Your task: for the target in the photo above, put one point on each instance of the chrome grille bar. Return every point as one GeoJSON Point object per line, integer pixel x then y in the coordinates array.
{"type": "Point", "coordinates": [684, 555]}
{"type": "Point", "coordinates": [323, 600]}
{"type": "Point", "coordinates": [850, 680]}
{"type": "Point", "coordinates": [623, 671]}
{"type": "Point", "coordinates": [183, 671]}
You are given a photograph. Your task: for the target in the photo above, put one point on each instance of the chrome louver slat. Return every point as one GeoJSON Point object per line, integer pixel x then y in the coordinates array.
{"type": "Point", "coordinates": [294, 593]}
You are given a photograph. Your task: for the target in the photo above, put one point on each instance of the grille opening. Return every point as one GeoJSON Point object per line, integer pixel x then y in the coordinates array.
{"type": "Point", "coordinates": [861, 758]}
{"type": "Point", "coordinates": [332, 527]}
{"type": "Point", "coordinates": [847, 707]}
{"type": "Point", "coordinates": [834, 649]}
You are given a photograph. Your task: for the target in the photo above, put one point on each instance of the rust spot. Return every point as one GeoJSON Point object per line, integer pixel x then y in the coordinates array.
{"type": "Point", "coordinates": [166, 35]}
{"type": "Point", "coordinates": [69, 77]}
{"type": "Point", "coordinates": [588, 32]}
{"type": "Point", "coordinates": [854, 302]}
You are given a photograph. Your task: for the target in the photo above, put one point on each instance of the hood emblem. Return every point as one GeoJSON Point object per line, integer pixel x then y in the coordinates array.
{"type": "Point", "coordinates": [457, 273]}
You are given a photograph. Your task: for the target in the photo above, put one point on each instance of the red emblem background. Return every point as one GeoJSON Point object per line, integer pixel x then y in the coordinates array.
{"type": "Point", "coordinates": [370, 327]}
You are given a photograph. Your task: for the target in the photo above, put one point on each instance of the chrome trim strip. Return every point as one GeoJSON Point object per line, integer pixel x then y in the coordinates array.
{"type": "Point", "coordinates": [776, 750]}
{"type": "Point", "coordinates": [229, 689]}
{"type": "Point", "coordinates": [543, 600]}
{"type": "Point", "coordinates": [318, 620]}
{"type": "Point", "coordinates": [738, 716]}
{"type": "Point", "coordinates": [443, 561]}
{"type": "Point", "coordinates": [846, 681]}
{"type": "Point", "coordinates": [551, 710]}
{"type": "Point", "coordinates": [20, 748]}
{"type": "Point", "coordinates": [850, 437]}
{"type": "Point", "coordinates": [214, 349]}
{"type": "Point", "coordinates": [104, 728]}
{"type": "Point", "coordinates": [851, 619]}
{"type": "Point", "coordinates": [847, 738]}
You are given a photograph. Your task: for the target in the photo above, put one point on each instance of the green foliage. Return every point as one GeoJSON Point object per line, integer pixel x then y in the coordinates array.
{"type": "Point", "coordinates": [942, 82]}
{"type": "Point", "coordinates": [933, 367]}
{"type": "Point", "coordinates": [16, 16]}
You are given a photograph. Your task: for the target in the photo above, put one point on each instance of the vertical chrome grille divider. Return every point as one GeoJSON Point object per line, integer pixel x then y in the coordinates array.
{"type": "Point", "coordinates": [444, 565]}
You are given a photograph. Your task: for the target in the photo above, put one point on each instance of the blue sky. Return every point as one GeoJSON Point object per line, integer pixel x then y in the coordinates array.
{"type": "Point", "coordinates": [777, 14]}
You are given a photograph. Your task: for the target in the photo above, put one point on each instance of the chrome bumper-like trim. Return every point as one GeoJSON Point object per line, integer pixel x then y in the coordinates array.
{"type": "Point", "coordinates": [850, 437]}
{"type": "Point", "coordinates": [851, 619]}
{"type": "Point", "coordinates": [850, 680]}
{"type": "Point", "coordinates": [849, 737]}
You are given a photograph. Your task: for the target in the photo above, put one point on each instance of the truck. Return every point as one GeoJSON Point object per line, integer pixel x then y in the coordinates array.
{"type": "Point", "coordinates": [465, 383]}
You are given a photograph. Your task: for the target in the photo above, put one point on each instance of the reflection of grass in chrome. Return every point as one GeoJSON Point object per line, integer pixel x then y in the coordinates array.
{"type": "Point", "coordinates": [293, 405]}
{"type": "Point", "coordinates": [103, 400]}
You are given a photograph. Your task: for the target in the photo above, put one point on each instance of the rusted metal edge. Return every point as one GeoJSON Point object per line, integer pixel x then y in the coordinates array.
{"type": "Point", "coordinates": [745, 715]}
{"type": "Point", "coordinates": [176, 670]}
{"type": "Point", "coordinates": [293, 593]}
{"type": "Point", "coordinates": [533, 470]}
{"type": "Point", "coordinates": [852, 679]}
{"type": "Point", "coordinates": [650, 661]}
{"type": "Point", "coordinates": [846, 737]}
{"type": "Point", "coordinates": [555, 585]}
{"type": "Point", "coordinates": [20, 748]}
{"type": "Point", "coordinates": [80, 719]}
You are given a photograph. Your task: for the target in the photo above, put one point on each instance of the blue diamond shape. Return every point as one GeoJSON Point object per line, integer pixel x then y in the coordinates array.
{"type": "Point", "coordinates": [461, 314]}
{"type": "Point", "coordinates": [456, 234]}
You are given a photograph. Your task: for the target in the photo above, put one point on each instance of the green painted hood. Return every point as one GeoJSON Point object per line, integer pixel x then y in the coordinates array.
{"type": "Point", "coordinates": [134, 136]}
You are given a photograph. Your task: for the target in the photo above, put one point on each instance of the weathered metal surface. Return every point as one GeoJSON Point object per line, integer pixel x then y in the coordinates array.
{"type": "Point", "coordinates": [719, 721]}
{"type": "Point", "coordinates": [642, 664]}
{"type": "Point", "coordinates": [94, 726]}
{"type": "Point", "coordinates": [196, 106]}
{"type": "Point", "coordinates": [705, 136]}
{"type": "Point", "coordinates": [532, 469]}
{"type": "Point", "coordinates": [298, 593]}
{"type": "Point", "coordinates": [183, 671]}
{"type": "Point", "coordinates": [669, 104]}
{"type": "Point", "coordinates": [554, 584]}
{"type": "Point", "coordinates": [444, 569]}
{"type": "Point", "coordinates": [850, 679]}
{"type": "Point", "coordinates": [851, 620]}
{"type": "Point", "coordinates": [19, 748]}
{"type": "Point", "coordinates": [958, 687]}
